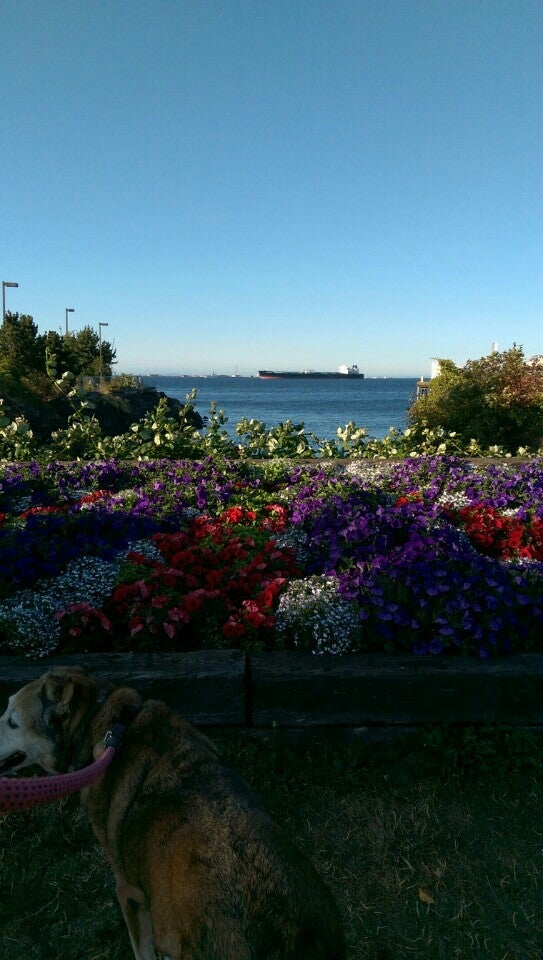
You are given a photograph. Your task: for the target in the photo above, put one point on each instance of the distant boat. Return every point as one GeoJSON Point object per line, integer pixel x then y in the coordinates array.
{"type": "Point", "coordinates": [344, 372]}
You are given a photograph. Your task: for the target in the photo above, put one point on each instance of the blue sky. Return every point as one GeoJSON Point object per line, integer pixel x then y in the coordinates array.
{"type": "Point", "coordinates": [263, 183]}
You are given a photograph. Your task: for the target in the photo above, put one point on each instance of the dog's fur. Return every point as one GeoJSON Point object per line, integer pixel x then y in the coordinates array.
{"type": "Point", "coordinates": [202, 871]}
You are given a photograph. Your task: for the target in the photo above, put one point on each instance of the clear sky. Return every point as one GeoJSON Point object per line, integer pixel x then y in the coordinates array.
{"type": "Point", "coordinates": [276, 183]}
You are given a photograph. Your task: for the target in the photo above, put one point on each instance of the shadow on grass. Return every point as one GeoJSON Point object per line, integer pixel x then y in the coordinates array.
{"type": "Point", "coordinates": [433, 848]}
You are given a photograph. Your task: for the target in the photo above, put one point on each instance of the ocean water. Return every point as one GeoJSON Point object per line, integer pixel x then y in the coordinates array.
{"type": "Point", "coordinates": [322, 405]}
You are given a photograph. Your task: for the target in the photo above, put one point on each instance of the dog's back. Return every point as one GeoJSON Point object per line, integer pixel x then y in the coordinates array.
{"type": "Point", "coordinates": [221, 880]}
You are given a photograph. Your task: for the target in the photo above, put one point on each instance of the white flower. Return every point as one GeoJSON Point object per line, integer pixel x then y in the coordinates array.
{"type": "Point", "coordinates": [27, 618]}
{"type": "Point", "coordinates": [312, 615]}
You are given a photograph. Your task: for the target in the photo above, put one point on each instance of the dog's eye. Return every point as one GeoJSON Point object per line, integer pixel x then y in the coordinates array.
{"type": "Point", "coordinates": [12, 724]}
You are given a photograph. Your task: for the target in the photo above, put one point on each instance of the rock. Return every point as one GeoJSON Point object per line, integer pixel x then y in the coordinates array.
{"type": "Point", "coordinates": [115, 411]}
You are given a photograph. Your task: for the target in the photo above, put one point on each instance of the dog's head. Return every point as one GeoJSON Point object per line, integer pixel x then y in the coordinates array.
{"type": "Point", "coordinates": [47, 720]}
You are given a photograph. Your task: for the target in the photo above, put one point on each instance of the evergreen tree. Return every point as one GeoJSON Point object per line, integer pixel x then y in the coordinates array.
{"type": "Point", "coordinates": [81, 353]}
{"type": "Point", "coordinates": [22, 351]}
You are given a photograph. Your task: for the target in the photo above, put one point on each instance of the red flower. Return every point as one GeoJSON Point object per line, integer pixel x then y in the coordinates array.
{"type": "Point", "coordinates": [159, 601]}
{"type": "Point", "coordinates": [93, 497]}
{"type": "Point", "coordinates": [193, 601]}
{"type": "Point", "coordinates": [255, 619]}
{"type": "Point", "coordinates": [238, 515]}
{"type": "Point", "coordinates": [177, 615]}
{"type": "Point", "coordinates": [35, 511]}
{"type": "Point", "coordinates": [219, 573]}
{"type": "Point", "coordinates": [501, 536]}
{"type": "Point", "coordinates": [233, 628]}
{"type": "Point", "coordinates": [213, 578]}
{"type": "Point", "coordinates": [277, 520]}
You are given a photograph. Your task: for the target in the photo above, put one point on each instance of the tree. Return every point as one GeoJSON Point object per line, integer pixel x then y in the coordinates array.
{"type": "Point", "coordinates": [497, 399]}
{"type": "Point", "coordinates": [54, 354]}
{"type": "Point", "coordinates": [81, 353]}
{"type": "Point", "coordinates": [24, 351]}
{"type": "Point", "coordinates": [21, 349]}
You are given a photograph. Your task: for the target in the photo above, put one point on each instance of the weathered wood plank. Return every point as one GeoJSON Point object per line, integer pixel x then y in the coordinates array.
{"type": "Point", "coordinates": [295, 689]}
{"type": "Point", "coordinates": [206, 686]}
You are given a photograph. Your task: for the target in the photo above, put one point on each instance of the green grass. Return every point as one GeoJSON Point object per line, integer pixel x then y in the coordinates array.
{"type": "Point", "coordinates": [433, 848]}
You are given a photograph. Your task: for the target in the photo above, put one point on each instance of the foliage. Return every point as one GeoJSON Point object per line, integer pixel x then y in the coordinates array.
{"type": "Point", "coordinates": [160, 433]}
{"type": "Point", "coordinates": [21, 350]}
{"type": "Point", "coordinates": [81, 353]}
{"type": "Point", "coordinates": [16, 438]}
{"type": "Point", "coordinates": [157, 433]}
{"type": "Point", "coordinates": [497, 399]}
{"type": "Point", "coordinates": [285, 440]}
{"type": "Point", "coordinates": [81, 434]}
{"type": "Point", "coordinates": [119, 382]}
{"type": "Point", "coordinates": [215, 440]}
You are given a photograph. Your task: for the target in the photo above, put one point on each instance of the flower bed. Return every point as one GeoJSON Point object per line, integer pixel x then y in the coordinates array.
{"type": "Point", "coordinates": [428, 555]}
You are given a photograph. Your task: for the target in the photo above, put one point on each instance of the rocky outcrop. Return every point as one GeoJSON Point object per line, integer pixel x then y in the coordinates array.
{"type": "Point", "coordinates": [44, 413]}
{"type": "Point", "coordinates": [115, 411]}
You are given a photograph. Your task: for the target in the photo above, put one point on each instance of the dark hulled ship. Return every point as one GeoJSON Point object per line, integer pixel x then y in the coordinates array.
{"type": "Point", "coordinates": [344, 372]}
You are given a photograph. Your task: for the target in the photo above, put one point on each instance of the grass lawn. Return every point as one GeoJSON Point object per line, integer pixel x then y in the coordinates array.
{"type": "Point", "coordinates": [432, 846]}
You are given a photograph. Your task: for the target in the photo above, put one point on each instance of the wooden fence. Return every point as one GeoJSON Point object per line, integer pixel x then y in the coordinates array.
{"type": "Point", "coordinates": [293, 692]}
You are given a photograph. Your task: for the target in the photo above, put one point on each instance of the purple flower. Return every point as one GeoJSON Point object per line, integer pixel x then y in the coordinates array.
{"type": "Point", "coordinates": [420, 648]}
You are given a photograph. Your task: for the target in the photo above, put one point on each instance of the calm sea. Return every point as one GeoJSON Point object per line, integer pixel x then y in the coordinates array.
{"type": "Point", "coordinates": [322, 405]}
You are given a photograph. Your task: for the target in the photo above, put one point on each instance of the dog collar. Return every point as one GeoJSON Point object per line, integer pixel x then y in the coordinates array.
{"type": "Point", "coordinates": [114, 737]}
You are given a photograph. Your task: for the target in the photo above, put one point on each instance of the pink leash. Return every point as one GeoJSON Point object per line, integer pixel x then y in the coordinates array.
{"type": "Point", "coordinates": [21, 793]}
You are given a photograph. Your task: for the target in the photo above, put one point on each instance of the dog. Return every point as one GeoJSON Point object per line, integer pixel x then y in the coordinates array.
{"type": "Point", "coordinates": [202, 871]}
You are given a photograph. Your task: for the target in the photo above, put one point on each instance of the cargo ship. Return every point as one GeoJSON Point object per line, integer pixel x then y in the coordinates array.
{"type": "Point", "coordinates": [344, 372]}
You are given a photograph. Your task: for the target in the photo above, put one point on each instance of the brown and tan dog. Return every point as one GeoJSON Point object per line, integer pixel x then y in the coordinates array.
{"type": "Point", "coordinates": [202, 871]}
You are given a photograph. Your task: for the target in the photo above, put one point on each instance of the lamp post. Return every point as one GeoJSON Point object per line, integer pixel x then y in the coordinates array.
{"type": "Point", "coordinates": [6, 283]}
{"type": "Point", "coordinates": [68, 310]}
{"type": "Point", "coordinates": [100, 325]}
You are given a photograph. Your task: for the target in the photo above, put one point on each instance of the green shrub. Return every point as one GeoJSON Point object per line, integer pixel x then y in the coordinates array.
{"type": "Point", "coordinates": [497, 400]}
{"type": "Point", "coordinates": [16, 438]}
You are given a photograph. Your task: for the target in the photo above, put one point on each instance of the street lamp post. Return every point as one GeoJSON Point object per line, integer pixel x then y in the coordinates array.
{"type": "Point", "coordinates": [68, 310]}
{"type": "Point", "coordinates": [100, 325]}
{"type": "Point", "coordinates": [6, 283]}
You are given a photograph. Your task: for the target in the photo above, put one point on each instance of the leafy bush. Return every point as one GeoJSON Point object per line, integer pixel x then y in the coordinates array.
{"type": "Point", "coordinates": [82, 434]}
{"type": "Point", "coordinates": [123, 381]}
{"type": "Point", "coordinates": [495, 400]}
{"type": "Point", "coordinates": [284, 440]}
{"type": "Point", "coordinates": [16, 438]}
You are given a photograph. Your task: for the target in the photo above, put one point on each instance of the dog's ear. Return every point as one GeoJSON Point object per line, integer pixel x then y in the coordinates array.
{"type": "Point", "coordinates": [57, 694]}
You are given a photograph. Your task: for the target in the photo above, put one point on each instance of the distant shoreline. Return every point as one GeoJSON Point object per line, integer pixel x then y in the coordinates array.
{"type": "Point", "coordinates": [254, 376]}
